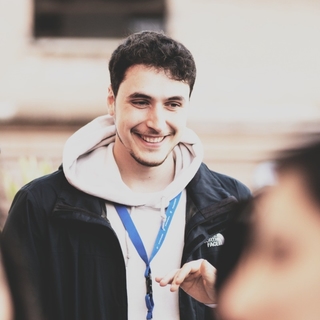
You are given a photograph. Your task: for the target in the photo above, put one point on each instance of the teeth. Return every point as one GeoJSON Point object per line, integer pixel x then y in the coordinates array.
{"type": "Point", "coordinates": [152, 139]}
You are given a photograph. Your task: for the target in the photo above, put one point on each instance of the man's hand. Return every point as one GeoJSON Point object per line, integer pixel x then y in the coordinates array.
{"type": "Point", "coordinates": [196, 278]}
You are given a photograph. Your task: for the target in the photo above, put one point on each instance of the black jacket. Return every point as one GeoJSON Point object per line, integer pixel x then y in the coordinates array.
{"type": "Point", "coordinates": [75, 258]}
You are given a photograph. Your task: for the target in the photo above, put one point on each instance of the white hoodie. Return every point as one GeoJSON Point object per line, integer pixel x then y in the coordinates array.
{"type": "Point", "coordinates": [89, 165]}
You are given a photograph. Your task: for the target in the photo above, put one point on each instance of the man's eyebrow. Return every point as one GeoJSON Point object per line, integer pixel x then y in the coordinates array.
{"type": "Point", "coordinates": [139, 95]}
{"type": "Point", "coordinates": [145, 96]}
{"type": "Point", "coordinates": [176, 98]}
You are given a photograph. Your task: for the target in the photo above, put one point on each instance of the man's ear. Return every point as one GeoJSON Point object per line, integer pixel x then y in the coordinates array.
{"type": "Point", "coordinates": [111, 101]}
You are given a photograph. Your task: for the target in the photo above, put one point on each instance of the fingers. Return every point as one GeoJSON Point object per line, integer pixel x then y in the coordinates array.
{"type": "Point", "coordinates": [208, 271]}
{"type": "Point", "coordinates": [188, 270]}
{"type": "Point", "coordinates": [177, 277]}
{"type": "Point", "coordinates": [195, 277]}
{"type": "Point", "coordinates": [167, 279]}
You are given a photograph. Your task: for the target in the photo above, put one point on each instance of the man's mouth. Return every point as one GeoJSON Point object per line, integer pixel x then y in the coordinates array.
{"type": "Point", "coordinates": [152, 139]}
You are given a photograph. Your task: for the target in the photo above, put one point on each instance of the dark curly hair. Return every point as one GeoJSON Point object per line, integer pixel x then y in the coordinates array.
{"type": "Point", "coordinates": [153, 49]}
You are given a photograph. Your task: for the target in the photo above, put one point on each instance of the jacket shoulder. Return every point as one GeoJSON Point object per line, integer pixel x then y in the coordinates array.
{"type": "Point", "coordinates": [51, 181]}
{"type": "Point", "coordinates": [44, 189]}
{"type": "Point", "coordinates": [39, 195]}
{"type": "Point", "coordinates": [221, 184]}
{"type": "Point", "coordinates": [234, 186]}
{"type": "Point", "coordinates": [31, 206]}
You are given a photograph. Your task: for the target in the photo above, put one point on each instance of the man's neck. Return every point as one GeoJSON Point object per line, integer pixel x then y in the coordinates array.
{"type": "Point", "coordinates": [140, 178]}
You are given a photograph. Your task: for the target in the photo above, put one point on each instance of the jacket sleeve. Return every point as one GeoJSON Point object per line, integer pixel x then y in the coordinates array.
{"type": "Point", "coordinates": [24, 231]}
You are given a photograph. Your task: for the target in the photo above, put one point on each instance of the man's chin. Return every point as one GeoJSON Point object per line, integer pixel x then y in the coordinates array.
{"type": "Point", "coordinates": [148, 163]}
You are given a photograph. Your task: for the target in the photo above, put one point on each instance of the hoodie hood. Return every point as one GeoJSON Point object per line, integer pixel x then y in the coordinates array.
{"type": "Point", "coordinates": [89, 165]}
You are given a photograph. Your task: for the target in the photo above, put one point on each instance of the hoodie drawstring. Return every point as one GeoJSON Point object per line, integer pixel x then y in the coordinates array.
{"type": "Point", "coordinates": [163, 212]}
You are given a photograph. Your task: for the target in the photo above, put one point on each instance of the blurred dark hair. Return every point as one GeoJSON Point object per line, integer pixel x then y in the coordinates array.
{"type": "Point", "coordinates": [25, 304]}
{"type": "Point", "coordinates": [304, 159]}
{"type": "Point", "coordinates": [152, 49]}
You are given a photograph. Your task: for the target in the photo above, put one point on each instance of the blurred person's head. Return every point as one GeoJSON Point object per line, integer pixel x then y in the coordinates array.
{"type": "Point", "coordinates": [18, 300]}
{"type": "Point", "coordinates": [275, 270]}
{"type": "Point", "coordinates": [154, 50]}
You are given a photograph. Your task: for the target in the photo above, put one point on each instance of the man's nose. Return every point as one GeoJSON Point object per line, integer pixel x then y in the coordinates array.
{"type": "Point", "coordinates": [156, 118]}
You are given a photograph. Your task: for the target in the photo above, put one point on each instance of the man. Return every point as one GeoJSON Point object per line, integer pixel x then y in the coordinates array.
{"type": "Point", "coordinates": [132, 199]}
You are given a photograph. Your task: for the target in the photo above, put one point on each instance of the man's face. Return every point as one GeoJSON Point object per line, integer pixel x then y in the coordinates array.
{"type": "Point", "coordinates": [150, 113]}
{"type": "Point", "coordinates": [278, 275]}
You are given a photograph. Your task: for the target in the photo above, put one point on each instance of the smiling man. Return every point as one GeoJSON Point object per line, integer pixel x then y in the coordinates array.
{"type": "Point", "coordinates": [150, 113]}
{"type": "Point", "coordinates": [131, 201]}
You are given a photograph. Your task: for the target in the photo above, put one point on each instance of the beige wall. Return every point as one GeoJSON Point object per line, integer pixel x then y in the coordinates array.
{"type": "Point", "coordinates": [257, 61]}
{"type": "Point", "coordinates": [258, 80]}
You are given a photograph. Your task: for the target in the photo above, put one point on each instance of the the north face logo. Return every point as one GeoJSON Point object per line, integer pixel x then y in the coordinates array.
{"type": "Point", "coordinates": [216, 240]}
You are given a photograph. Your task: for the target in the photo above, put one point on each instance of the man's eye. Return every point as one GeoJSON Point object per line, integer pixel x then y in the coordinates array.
{"type": "Point", "coordinates": [140, 103]}
{"type": "Point", "coordinates": [174, 105]}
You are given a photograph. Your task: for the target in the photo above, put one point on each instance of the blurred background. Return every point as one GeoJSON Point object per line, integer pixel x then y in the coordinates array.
{"type": "Point", "coordinates": [257, 88]}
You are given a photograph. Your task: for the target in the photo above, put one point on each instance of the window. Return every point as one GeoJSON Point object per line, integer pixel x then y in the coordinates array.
{"type": "Point", "coordinates": [96, 18]}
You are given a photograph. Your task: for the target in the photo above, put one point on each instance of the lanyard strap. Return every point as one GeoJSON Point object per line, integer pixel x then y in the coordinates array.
{"type": "Point", "coordinates": [137, 242]}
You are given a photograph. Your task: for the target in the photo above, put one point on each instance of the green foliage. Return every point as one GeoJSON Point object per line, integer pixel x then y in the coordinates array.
{"type": "Point", "coordinates": [29, 168]}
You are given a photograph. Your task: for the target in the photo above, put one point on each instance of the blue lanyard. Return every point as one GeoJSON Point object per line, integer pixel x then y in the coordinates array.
{"type": "Point", "coordinates": [137, 242]}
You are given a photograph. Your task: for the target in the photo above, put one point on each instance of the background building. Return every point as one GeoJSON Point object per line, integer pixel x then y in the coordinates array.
{"type": "Point", "coordinates": [257, 88]}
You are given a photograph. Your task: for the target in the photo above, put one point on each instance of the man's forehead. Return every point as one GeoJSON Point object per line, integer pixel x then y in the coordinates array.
{"type": "Point", "coordinates": [136, 68]}
{"type": "Point", "coordinates": [141, 80]}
